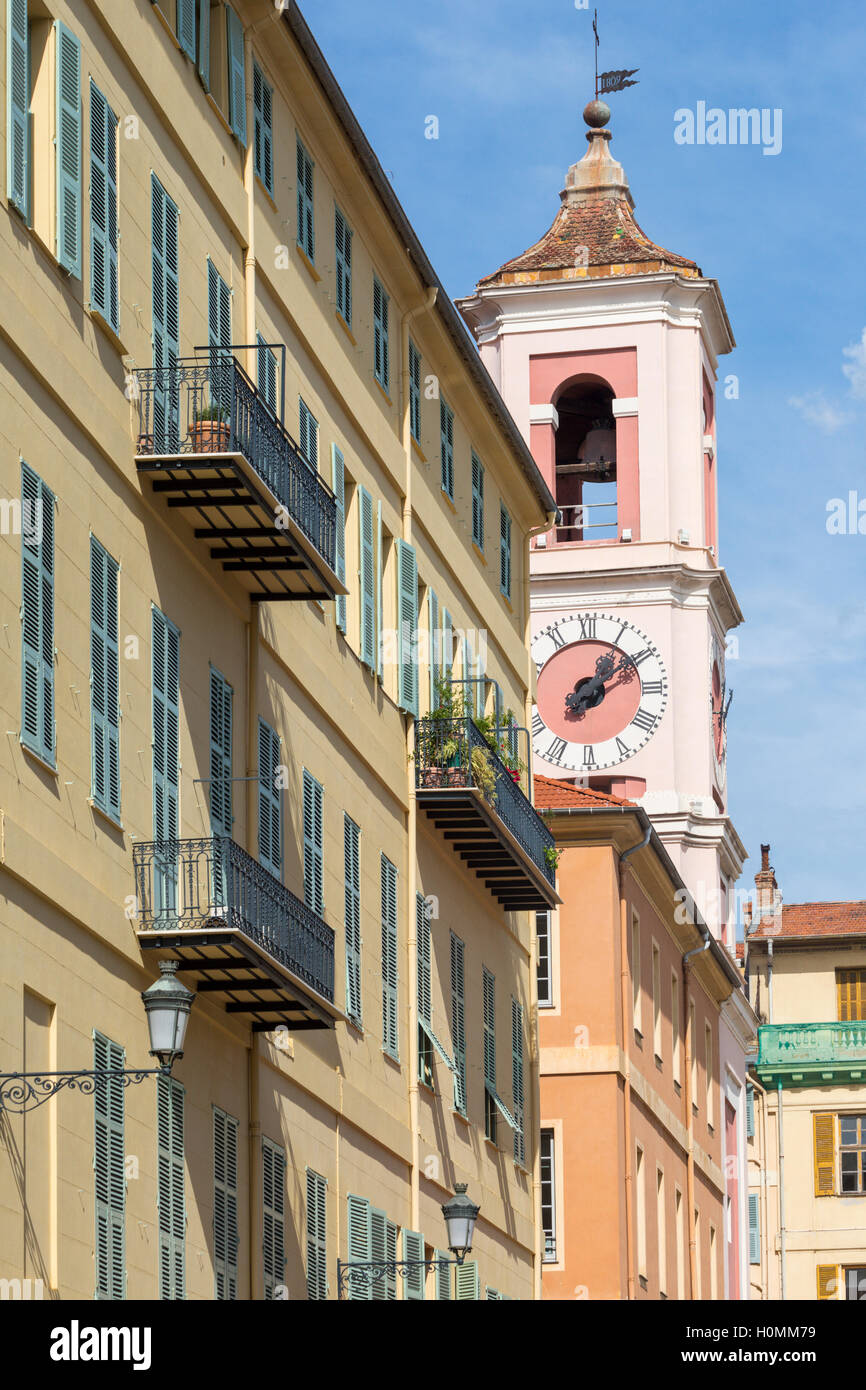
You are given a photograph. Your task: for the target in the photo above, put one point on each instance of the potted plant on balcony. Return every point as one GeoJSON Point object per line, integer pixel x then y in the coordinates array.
{"type": "Point", "coordinates": [552, 856]}
{"type": "Point", "coordinates": [210, 432]}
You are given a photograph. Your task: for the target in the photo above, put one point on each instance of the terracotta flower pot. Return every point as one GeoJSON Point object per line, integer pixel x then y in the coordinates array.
{"type": "Point", "coordinates": [210, 437]}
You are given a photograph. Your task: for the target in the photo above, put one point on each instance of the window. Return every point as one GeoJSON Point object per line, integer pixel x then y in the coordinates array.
{"type": "Point", "coordinates": [338, 483]}
{"type": "Point", "coordinates": [165, 305]}
{"type": "Point", "coordinates": [352, 862]}
{"type": "Point", "coordinates": [661, 1229]}
{"type": "Point", "coordinates": [446, 447]}
{"type": "Point", "coordinates": [109, 1175]}
{"type": "Point", "coordinates": [477, 501]}
{"type": "Point", "coordinates": [274, 1203]}
{"type": "Point", "coordinates": [263, 129]}
{"type": "Point", "coordinates": [548, 1194]}
{"type": "Point", "coordinates": [489, 1019]}
{"type": "Point", "coordinates": [308, 437]}
{"type": "Point", "coordinates": [343, 240]}
{"type": "Point", "coordinates": [371, 1236]}
{"type": "Point", "coordinates": [225, 1205]}
{"type": "Point", "coordinates": [407, 610]}
{"type": "Point", "coordinates": [851, 995]}
{"type": "Point", "coordinates": [545, 969]}
{"type": "Point", "coordinates": [104, 682]}
{"type": "Point", "coordinates": [425, 1045]}
{"type": "Point", "coordinates": [517, 1079]}
{"type": "Point", "coordinates": [852, 1152]}
{"type": "Point", "coordinates": [414, 392]}
{"type": "Point", "coordinates": [708, 1055]}
{"type": "Point", "coordinates": [37, 615]}
{"type": "Point", "coordinates": [221, 818]}
{"type": "Point", "coordinates": [504, 552]}
{"type": "Point", "coordinates": [381, 357]}
{"type": "Point", "coordinates": [236, 75]}
{"type": "Point", "coordinates": [166, 752]}
{"type": "Point", "coordinates": [657, 1002]}
{"type": "Point", "coordinates": [390, 1034]}
{"type": "Point", "coordinates": [68, 150]}
{"type": "Point", "coordinates": [317, 1236]}
{"type": "Point", "coordinates": [313, 845]}
{"type": "Point", "coordinates": [855, 1285]}
{"type": "Point", "coordinates": [219, 310]}
{"type": "Point", "coordinates": [750, 1111]}
{"type": "Point", "coordinates": [754, 1228]}
{"type": "Point", "coordinates": [103, 209]}
{"type": "Point", "coordinates": [306, 237]}
{"type": "Point", "coordinates": [458, 1022]}
{"type": "Point", "coordinates": [640, 1206]}
{"type": "Point", "coordinates": [676, 1039]}
{"type": "Point", "coordinates": [270, 801]}
{"type": "Point", "coordinates": [186, 34]}
{"type": "Point", "coordinates": [635, 973]}
{"type": "Point", "coordinates": [18, 171]}
{"type": "Point", "coordinates": [266, 374]}
{"type": "Point", "coordinates": [367, 580]}
{"type": "Point", "coordinates": [171, 1202]}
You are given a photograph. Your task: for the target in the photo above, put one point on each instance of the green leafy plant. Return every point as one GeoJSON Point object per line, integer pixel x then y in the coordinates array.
{"type": "Point", "coordinates": [212, 412]}
{"type": "Point", "coordinates": [552, 856]}
{"type": "Point", "coordinates": [484, 773]}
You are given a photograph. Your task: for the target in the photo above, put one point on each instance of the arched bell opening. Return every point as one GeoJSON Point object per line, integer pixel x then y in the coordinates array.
{"type": "Point", "coordinates": [586, 473]}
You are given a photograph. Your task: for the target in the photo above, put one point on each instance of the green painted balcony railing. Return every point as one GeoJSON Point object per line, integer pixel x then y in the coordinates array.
{"type": "Point", "coordinates": [795, 1046]}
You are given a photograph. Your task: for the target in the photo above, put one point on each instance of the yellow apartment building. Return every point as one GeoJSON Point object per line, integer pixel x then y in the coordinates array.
{"type": "Point", "coordinates": [263, 514]}
{"type": "Point", "coordinates": [806, 971]}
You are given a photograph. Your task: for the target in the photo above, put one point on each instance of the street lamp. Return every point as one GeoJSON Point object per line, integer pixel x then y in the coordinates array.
{"type": "Point", "coordinates": [460, 1216]}
{"type": "Point", "coordinates": [167, 1004]}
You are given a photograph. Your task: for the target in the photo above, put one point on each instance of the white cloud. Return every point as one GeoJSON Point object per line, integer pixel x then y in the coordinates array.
{"type": "Point", "coordinates": [815, 408]}
{"type": "Point", "coordinates": [855, 369]}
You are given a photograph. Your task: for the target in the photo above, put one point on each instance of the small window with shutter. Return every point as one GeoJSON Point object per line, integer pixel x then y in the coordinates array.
{"type": "Point", "coordinates": [270, 801]}
{"type": "Point", "coordinates": [381, 349]}
{"type": "Point", "coordinates": [828, 1281]}
{"type": "Point", "coordinates": [274, 1203]}
{"type": "Point", "coordinates": [317, 1236]}
{"type": "Point", "coordinates": [37, 615]}
{"type": "Point", "coordinates": [308, 437]}
{"type": "Point", "coordinates": [852, 1153]}
{"type": "Point", "coordinates": [824, 1131]}
{"type": "Point", "coordinates": [407, 631]}
{"type": "Point", "coordinates": [851, 995]}
{"type": "Point", "coordinates": [390, 1027]}
{"type": "Point", "coordinates": [446, 447]}
{"type": "Point", "coordinates": [108, 1167]}
{"type": "Point", "coordinates": [236, 75]}
{"type": "Point", "coordinates": [104, 682]}
{"type": "Point", "coordinates": [313, 844]}
{"type": "Point", "coordinates": [306, 219]}
{"type": "Point", "coordinates": [103, 210]}
{"type": "Point", "coordinates": [171, 1199]}
{"type": "Point", "coordinates": [263, 134]}
{"type": "Point", "coordinates": [225, 1205]}
{"type": "Point", "coordinates": [352, 865]}
{"type": "Point", "coordinates": [855, 1284]}
{"type": "Point", "coordinates": [414, 392]}
{"type": "Point", "coordinates": [343, 249]}
{"type": "Point", "coordinates": [754, 1228]}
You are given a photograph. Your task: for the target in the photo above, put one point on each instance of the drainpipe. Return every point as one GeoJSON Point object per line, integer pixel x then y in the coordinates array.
{"type": "Point", "coordinates": [624, 979]}
{"type": "Point", "coordinates": [690, 1129]}
{"type": "Point", "coordinates": [782, 1233]}
{"type": "Point", "coordinates": [256, 1199]}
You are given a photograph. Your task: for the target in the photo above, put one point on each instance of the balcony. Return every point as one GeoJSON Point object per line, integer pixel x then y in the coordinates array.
{"type": "Point", "coordinates": [811, 1054]}
{"type": "Point", "coordinates": [218, 454]}
{"type": "Point", "coordinates": [472, 797]}
{"type": "Point", "coordinates": [251, 943]}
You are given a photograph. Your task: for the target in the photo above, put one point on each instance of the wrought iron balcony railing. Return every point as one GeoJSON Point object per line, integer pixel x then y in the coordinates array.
{"type": "Point", "coordinates": [207, 405]}
{"type": "Point", "coordinates": [811, 1045]}
{"type": "Point", "coordinates": [197, 884]}
{"type": "Point", "coordinates": [453, 753]}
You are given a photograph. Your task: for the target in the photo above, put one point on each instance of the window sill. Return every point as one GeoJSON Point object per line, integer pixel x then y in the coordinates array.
{"type": "Point", "coordinates": [38, 758]}
{"type": "Point", "coordinates": [418, 450]}
{"type": "Point", "coordinates": [166, 24]}
{"type": "Point", "coordinates": [395, 1061]}
{"type": "Point", "coordinates": [345, 327]}
{"type": "Point", "coordinates": [356, 1025]}
{"type": "Point", "coordinates": [492, 1144]}
{"type": "Point", "coordinates": [383, 392]}
{"type": "Point", "coordinates": [105, 815]}
{"type": "Point", "coordinates": [307, 262]}
{"type": "Point", "coordinates": [507, 601]}
{"type": "Point", "coordinates": [638, 1037]}
{"type": "Point", "coordinates": [449, 500]}
{"type": "Point", "coordinates": [220, 114]}
{"type": "Point", "coordinates": [659, 1063]}
{"type": "Point", "coordinates": [479, 552]}
{"type": "Point", "coordinates": [464, 1119]}
{"type": "Point", "coordinates": [643, 1281]}
{"type": "Point", "coordinates": [110, 333]}
{"type": "Point", "coordinates": [678, 1087]}
{"type": "Point", "coordinates": [267, 192]}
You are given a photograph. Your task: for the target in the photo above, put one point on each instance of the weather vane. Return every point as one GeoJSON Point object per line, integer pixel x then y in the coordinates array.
{"type": "Point", "coordinates": [615, 80]}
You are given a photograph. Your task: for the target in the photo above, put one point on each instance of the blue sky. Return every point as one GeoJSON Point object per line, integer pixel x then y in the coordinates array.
{"type": "Point", "coordinates": [783, 234]}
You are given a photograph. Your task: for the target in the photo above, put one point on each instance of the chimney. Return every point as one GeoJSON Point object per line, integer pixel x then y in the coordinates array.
{"type": "Point", "coordinates": [768, 897]}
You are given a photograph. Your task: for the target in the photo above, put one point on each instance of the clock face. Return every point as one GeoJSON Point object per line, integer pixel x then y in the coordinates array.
{"type": "Point", "coordinates": [718, 699]}
{"type": "Point", "coordinates": [602, 690]}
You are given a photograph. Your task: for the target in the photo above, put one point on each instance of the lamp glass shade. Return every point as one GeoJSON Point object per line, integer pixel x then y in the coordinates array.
{"type": "Point", "coordinates": [460, 1216]}
{"type": "Point", "coordinates": [167, 1004]}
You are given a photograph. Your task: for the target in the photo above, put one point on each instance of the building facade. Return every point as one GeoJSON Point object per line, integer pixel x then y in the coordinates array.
{"type": "Point", "coordinates": [806, 969]}
{"type": "Point", "coordinates": [261, 508]}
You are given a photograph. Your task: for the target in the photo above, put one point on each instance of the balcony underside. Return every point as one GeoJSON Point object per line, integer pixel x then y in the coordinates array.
{"type": "Point", "coordinates": [229, 968]}
{"type": "Point", "coordinates": [233, 513]}
{"type": "Point", "coordinates": [812, 1074]}
{"type": "Point", "coordinates": [481, 838]}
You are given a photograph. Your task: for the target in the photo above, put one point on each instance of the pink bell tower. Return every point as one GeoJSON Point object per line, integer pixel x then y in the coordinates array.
{"type": "Point", "coordinates": [605, 348]}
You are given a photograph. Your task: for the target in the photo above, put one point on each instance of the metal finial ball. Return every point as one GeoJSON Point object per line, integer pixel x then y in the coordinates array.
{"type": "Point", "coordinates": [596, 114]}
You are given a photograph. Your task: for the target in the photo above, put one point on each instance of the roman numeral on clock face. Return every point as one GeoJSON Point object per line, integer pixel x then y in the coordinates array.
{"type": "Point", "coordinates": [623, 749]}
{"type": "Point", "coordinates": [587, 626]}
{"type": "Point", "coordinates": [640, 656]}
{"type": "Point", "coordinates": [651, 687]}
{"type": "Point", "coordinates": [589, 756]}
{"type": "Point", "coordinates": [538, 724]}
{"type": "Point", "coordinates": [557, 638]}
{"type": "Point", "coordinates": [644, 720]}
{"type": "Point", "coordinates": [555, 750]}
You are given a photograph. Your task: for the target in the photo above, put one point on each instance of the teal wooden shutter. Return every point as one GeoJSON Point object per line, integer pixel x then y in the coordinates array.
{"type": "Point", "coordinates": [505, 552]}
{"type": "Point", "coordinates": [381, 351]}
{"type": "Point", "coordinates": [414, 392]}
{"type": "Point", "coordinates": [237, 76]}
{"type": "Point", "coordinates": [221, 817]}
{"type": "Point", "coordinates": [493, 1295]}
{"type": "Point", "coordinates": [37, 615]}
{"type": "Point", "coordinates": [103, 208]}
{"type": "Point", "coordinates": [68, 122]}
{"type": "Point", "coordinates": [343, 249]}
{"type": "Point", "coordinates": [352, 866]}
{"type": "Point", "coordinates": [225, 1205]}
{"type": "Point", "coordinates": [338, 482]}
{"type": "Point", "coordinates": [425, 1001]}
{"type": "Point", "coordinates": [380, 566]}
{"type": "Point", "coordinates": [317, 1236]}
{"type": "Point", "coordinates": [219, 311]}
{"type": "Point", "coordinates": [447, 647]}
{"type": "Point", "coordinates": [468, 1283]}
{"type": "Point", "coordinates": [444, 1275]}
{"type": "Point", "coordinates": [750, 1112]}
{"type": "Point", "coordinates": [186, 27]}
{"type": "Point", "coordinates": [413, 1249]}
{"type": "Point", "coordinates": [446, 447]}
{"type": "Point", "coordinates": [366, 580]}
{"type": "Point", "coordinates": [489, 1020]}
{"type": "Point", "coordinates": [18, 106]}
{"type": "Point", "coordinates": [263, 134]}
{"type": "Point", "coordinates": [359, 1244]}
{"type": "Point", "coordinates": [266, 371]}
{"type": "Point", "coordinates": [166, 727]}
{"type": "Point", "coordinates": [383, 1248]}
{"type": "Point", "coordinates": [390, 1033]}
{"type": "Point", "coordinates": [306, 223]}
{"type": "Point", "coordinates": [108, 1167]}
{"type": "Point", "coordinates": [435, 647]}
{"type": "Point", "coordinates": [308, 434]}
{"type": "Point", "coordinates": [203, 65]}
{"type": "Point", "coordinates": [270, 802]}
{"type": "Point", "coordinates": [458, 1023]}
{"type": "Point", "coordinates": [754, 1228]}
{"type": "Point", "coordinates": [477, 501]}
{"type": "Point", "coordinates": [274, 1201]}
{"type": "Point", "coordinates": [170, 1188]}
{"type": "Point", "coordinates": [467, 673]}
{"type": "Point", "coordinates": [517, 1085]}
{"type": "Point", "coordinates": [104, 681]}
{"type": "Point", "coordinates": [407, 635]}
{"type": "Point", "coordinates": [165, 298]}
{"type": "Point", "coordinates": [313, 845]}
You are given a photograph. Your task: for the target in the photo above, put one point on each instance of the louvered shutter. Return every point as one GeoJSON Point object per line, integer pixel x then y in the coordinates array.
{"type": "Point", "coordinates": [390, 1033]}
{"type": "Point", "coordinates": [186, 27]}
{"type": "Point", "coordinates": [468, 1284]}
{"type": "Point", "coordinates": [505, 552]}
{"type": "Point", "coordinates": [225, 1205]}
{"type": "Point", "coordinates": [517, 1079]}
{"type": "Point", "coordinates": [343, 248]}
{"type": "Point", "coordinates": [824, 1129]}
{"type": "Point", "coordinates": [414, 392]}
{"type": "Point", "coordinates": [170, 1188]}
{"type": "Point", "coordinates": [263, 142]}
{"type": "Point", "coordinates": [270, 802]}
{"type": "Point", "coordinates": [424, 954]}
{"type": "Point", "coordinates": [435, 647]}
{"type": "Point", "coordinates": [477, 501]}
{"type": "Point", "coordinates": [380, 565]}
{"type": "Point", "coordinates": [37, 614]}
{"type": "Point", "coordinates": [308, 435]}
{"type": "Point", "coordinates": [219, 308]}
{"type": "Point", "coordinates": [359, 1244]}
{"type": "Point", "coordinates": [447, 647]}
{"type": "Point", "coordinates": [103, 208]}
{"type": "Point", "coordinates": [68, 119]}
{"type": "Point", "coordinates": [458, 1023]}
{"type": "Point", "coordinates": [237, 78]}
{"type": "Point", "coordinates": [754, 1228]}
{"type": "Point", "coordinates": [446, 443]}
{"type": "Point", "coordinates": [306, 234]}
{"type": "Point", "coordinates": [750, 1112]}
{"type": "Point", "coordinates": [313, 845]}
{"type": "Point", "coordinates": [221, 817]}
{"type": "Point", "coordinates": [338, 482]}
{"type": "Point", "coordinates": [381, 357]}
{"type": "Point", "coordinates": [829, 1282]}
{"type": "Point", "coordinates": [413, 1249]}
{"type": "Point", "coordinates": [266, 374]}
{"type": "Point", "coordinates": [104, 681]}
{"type": "Point", "coordinates": [489, 1022]}
{"type": "Point", "coordinates": [18, 107]}
{"type": "Point", "coordinates": [203, 65]}
{"type": "Point", "coordinates": [109, 1175]}
{"type": "Point", "coordinates": [366, 580]}
{"type": "Point", "coordinates": [383, 1249]}
{"type": "Point", "coordinates": [317, 1232]}
{"type": "Point", "coordinates": [444, 1275]}
{"type": "Point", "coordinates": [407, 609]}
{"type": "Point", "coordinates": [166, 758]}
{"type": "Point", "coordinates": [274, 1202]}
{"type": "Point", "coordinates": [352, 867]}
{"type": "Point", "coordinates": [165, 292]}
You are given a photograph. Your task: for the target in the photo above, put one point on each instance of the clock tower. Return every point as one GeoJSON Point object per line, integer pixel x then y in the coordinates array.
{"type": "Point", "coordinates": [605, 348]}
